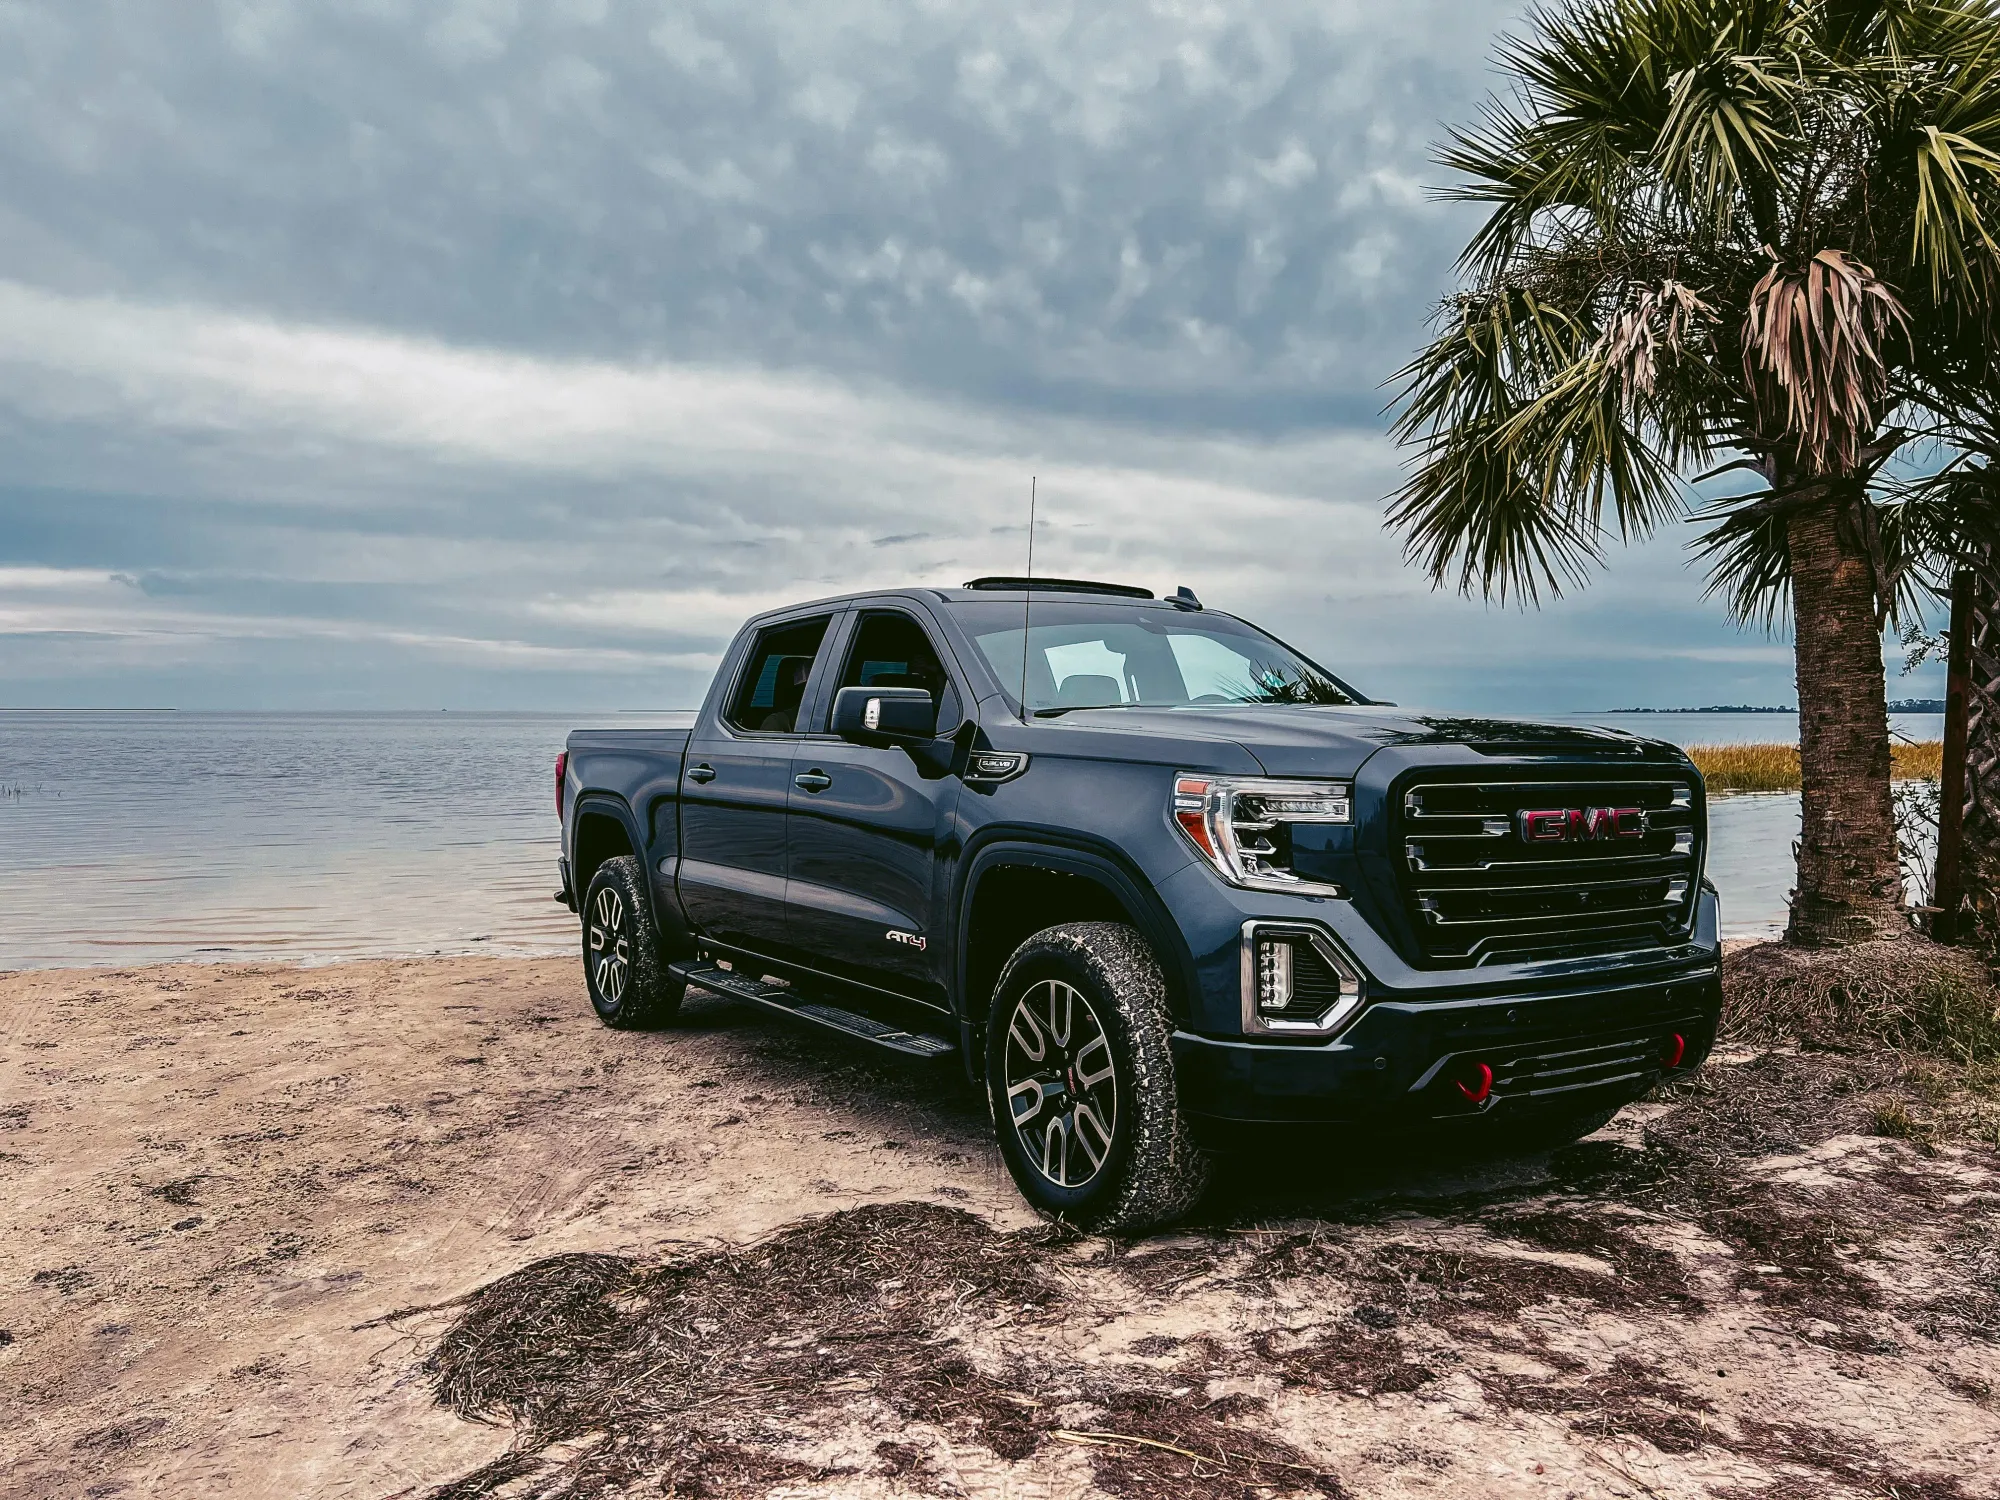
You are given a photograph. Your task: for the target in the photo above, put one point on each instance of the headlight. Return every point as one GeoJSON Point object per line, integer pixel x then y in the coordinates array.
{"type": "Point", "coordinates": [1243, 827]}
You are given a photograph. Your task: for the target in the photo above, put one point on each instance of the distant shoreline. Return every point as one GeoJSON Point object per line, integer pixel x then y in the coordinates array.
{"type": "Point", "coordinates": [1900, 706]}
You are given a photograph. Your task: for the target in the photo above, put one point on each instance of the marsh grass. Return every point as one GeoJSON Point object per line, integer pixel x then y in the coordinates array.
{"type": "Point", "coordinates": [1775, 768]}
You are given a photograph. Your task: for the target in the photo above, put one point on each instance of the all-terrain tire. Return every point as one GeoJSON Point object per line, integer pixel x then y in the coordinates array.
{"type": "Point", "coordinates": [629, 986]}
{"type": "Point", "coordinates": [1139, 1168]}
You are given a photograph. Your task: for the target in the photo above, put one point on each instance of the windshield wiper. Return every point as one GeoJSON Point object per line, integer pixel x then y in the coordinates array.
{"type": "Point", "coordinates": [1052, 713]}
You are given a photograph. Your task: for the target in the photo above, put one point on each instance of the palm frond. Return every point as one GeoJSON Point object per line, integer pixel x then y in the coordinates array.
{"type": "Point", "coordinates": [1815, 355]}
{"type": "Point", "coordinates": [1750, 565]}
{"type": "Point", "coordinates": [1948, 215]}
{"type": "Point", "coordinates": [1948, 517]}
{"type": "Point", "coordinates": [1660, 322]}
{"type": "Point", "coordinates": [1528, 451]}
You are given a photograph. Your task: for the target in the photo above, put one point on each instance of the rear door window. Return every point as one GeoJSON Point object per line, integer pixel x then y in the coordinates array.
{"type": "Point", "coordinates": [770, 695]}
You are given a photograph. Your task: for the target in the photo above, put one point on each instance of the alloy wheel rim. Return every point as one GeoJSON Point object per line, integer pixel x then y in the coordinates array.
{"type": "Point", "coordinates": [610, 945]}
{"type": "Point", "coordinates": [1062, 1089]}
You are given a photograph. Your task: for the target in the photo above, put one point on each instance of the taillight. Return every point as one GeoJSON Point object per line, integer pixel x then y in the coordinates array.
{"type": "Point", "coordinates": [562, 775]}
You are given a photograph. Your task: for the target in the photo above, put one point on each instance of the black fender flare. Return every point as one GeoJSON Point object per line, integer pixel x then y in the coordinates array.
{"type": "Point", "coordinates": [608, 804]}
{"type": "Point", "coordinates": [1071, 854]}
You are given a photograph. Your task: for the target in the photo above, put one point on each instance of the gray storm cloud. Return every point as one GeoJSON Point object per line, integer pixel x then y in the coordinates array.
{"type": "Point", "coordinates": [507, 353]}
{"type": "Point", "coordinates": [1126, 204]}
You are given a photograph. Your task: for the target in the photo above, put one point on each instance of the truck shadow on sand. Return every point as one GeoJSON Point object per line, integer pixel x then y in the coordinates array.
{"type": "Point", "coordinates": [1318, 1319]}
{"type": "Point", "coordinates": [1330, 1175]}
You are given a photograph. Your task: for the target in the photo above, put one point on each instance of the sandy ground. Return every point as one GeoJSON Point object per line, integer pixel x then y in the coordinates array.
{"type": "Point", "coordinates": [213, 1174]}
{"type": "Point", "coordinates": [219, 1182]}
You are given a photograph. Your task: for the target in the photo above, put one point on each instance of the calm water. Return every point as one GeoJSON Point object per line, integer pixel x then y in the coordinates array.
{"type": "Point", "coordinates": [132, 838]}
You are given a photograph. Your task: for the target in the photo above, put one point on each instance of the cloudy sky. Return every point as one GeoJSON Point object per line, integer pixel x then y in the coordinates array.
{"type": "Point", "coordinates": [404, 353]}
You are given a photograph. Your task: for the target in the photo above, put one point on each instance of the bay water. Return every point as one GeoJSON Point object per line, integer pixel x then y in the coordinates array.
{"type": "Point", "coordinates": [133, 837]}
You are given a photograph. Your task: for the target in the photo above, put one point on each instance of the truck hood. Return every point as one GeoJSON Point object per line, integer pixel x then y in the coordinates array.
{"type": "Point", "coordinates": [1289, 740]}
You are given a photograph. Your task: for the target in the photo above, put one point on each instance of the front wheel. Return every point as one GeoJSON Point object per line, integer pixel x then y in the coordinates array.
{"type": "Point", "coordinates": [628, 981]}
{"type": "Point", "coordinates": [1080, 1080]}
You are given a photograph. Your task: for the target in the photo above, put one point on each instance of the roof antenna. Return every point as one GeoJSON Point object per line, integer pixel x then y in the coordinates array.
{"type": "Point", "coordinates": [1028, 594]}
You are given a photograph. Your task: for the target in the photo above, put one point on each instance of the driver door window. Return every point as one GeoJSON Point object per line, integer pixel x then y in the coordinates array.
{"type": "Point", "coordinates": [893, 650]}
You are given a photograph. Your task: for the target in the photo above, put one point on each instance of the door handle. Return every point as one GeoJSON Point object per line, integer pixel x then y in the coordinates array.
{"type": "Point", "coordinates": [701, 773]}
{"type": "Point", "coordinates": [812, 781]}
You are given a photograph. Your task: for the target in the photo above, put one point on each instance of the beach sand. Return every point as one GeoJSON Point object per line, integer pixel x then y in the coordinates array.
{"type": "Point", "coordinates": [213, 1174]}
{"type": "Point", "coordinates": [219, 1181]}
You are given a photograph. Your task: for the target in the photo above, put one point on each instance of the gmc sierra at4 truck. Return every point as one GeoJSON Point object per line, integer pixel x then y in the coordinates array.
{"type": "Point", "coordinates": [1163, 884]}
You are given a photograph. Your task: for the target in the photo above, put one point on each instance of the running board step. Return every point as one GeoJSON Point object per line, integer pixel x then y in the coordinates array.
{"type": "Point", "coordinates": [784, 998]}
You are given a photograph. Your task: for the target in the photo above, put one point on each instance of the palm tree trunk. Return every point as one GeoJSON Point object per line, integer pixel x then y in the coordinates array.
{"type": "Point", "coordinates": [1850, 889]}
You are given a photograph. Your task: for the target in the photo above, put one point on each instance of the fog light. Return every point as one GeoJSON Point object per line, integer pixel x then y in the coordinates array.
{"type": "Point", "coordinates": [1274, 976]}
{"type": "Point", "coordinates": [1296, 981]}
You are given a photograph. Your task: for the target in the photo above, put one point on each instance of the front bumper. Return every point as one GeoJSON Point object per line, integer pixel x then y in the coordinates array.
{"type": "Point", "coordinates": [1400, 1055]}
{"type": "Point", "coordinates": [1570, 1049]}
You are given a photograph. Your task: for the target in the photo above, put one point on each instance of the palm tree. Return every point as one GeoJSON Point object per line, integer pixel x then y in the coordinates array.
{"type": "Point", "coordinates": [1755, 237]}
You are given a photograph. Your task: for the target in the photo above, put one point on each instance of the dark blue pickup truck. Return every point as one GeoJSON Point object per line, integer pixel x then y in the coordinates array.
{"type": "Point", "coordinates": [1165, 885]}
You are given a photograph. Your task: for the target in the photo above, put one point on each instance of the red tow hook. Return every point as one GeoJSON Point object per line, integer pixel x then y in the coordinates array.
{"type": "Point", "coordinates": [1675, 1048]}
{"type": "Point", "coordinates": [1480, 1086]}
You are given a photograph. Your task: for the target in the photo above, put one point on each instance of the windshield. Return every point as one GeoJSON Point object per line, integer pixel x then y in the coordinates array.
{"type": "Point", "coordinates": [1122, 655]}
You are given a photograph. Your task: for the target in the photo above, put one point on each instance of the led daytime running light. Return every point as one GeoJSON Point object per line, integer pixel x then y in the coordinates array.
{"type": "Point", "coordinates": [1296, 982]}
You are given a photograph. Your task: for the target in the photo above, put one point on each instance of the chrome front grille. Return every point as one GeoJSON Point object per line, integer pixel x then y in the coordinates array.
{"type": "Point", "coordinates": [1540, 867]}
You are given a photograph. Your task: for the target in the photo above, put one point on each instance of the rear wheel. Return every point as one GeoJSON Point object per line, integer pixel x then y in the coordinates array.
{"type": "Point", "coordinates": [628, 981]}
{"type": "Point", "coordinates": [1080, 1079]}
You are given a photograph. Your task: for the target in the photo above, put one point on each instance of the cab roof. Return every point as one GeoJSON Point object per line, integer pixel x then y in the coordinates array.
{"type": "Point", "coordinates": [1056, 586]}
{"type": "Point", "coordinates": [985, 589]}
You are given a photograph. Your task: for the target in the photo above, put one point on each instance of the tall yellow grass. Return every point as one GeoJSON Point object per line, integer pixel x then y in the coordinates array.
{"type": "Point", "coordinates": [1775, 768]}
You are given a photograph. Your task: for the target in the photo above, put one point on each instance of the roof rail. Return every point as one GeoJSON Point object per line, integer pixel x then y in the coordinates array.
{"type": "Point", "coordinates": [1061, 586]}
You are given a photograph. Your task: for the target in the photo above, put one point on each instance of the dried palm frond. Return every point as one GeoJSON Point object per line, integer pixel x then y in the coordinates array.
{"type": "Point", "coordinates": [1814, 341]}
{"type": "Point", "coordinates": [1659, 318]}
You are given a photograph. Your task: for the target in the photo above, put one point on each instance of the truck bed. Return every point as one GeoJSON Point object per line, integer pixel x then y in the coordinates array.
{"type": "Point", "coordinates": [622, 761]}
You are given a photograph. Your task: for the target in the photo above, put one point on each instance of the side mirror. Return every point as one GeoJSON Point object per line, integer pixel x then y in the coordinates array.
{"type": "Point", "coordinates": [885, 715]}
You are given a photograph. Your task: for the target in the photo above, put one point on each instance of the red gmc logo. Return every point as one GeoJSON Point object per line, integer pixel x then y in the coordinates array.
{"type": "Point", "coordinates": [1580, 825]}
